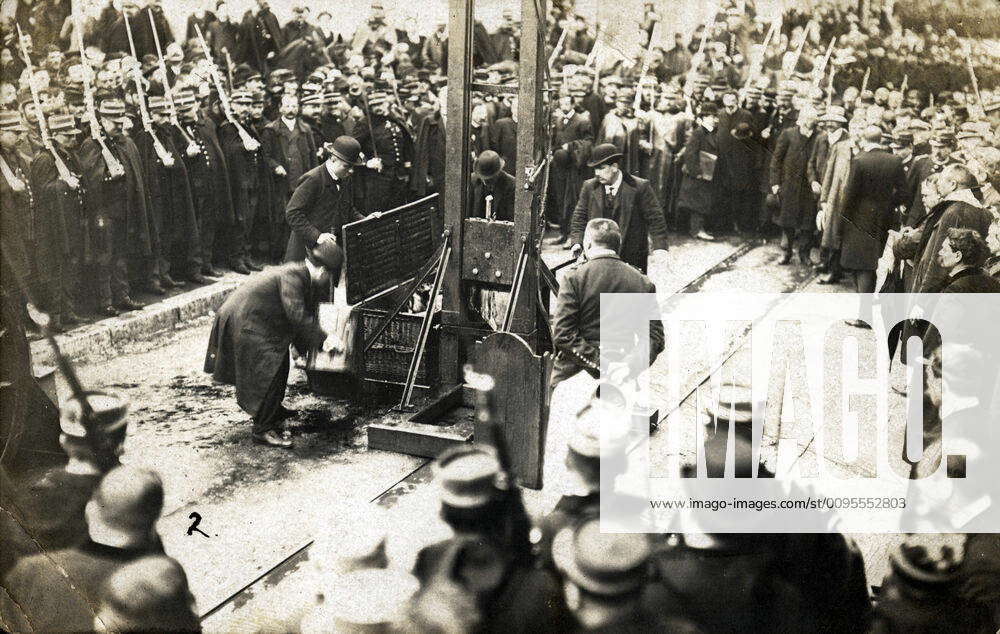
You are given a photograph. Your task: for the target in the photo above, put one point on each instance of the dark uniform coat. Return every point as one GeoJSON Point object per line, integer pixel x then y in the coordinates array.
{"type": "Point", "coordinates": [875, 186]}
{"type": "Point", "coordinates": [789, 169]}
{"type": "Point", "coordinates": [318, 205]}
{"type": "Point", "coordinates": [256, 324]}
{"type": "Point", "coordinates": [243, 169]}
{"type": "Point", "coordinates": [634, 208]}
{"type": "Point", "coordinates": [387, 139]}
{"type": "Point", "coordinates": [576, 324]}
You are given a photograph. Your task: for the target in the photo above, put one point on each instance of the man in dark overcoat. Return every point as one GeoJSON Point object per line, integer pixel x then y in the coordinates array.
{"type": "Point", "coordinates": [289, 151]}
{"type": "Point", "coordinates": [699, 191]}
{"type": "Point", "coordinates": [327, 197]}
{"type": "Point", "coordinates": [790, 181]}
{"type": "Point", "coordinates": [249, 343]}
{"type": "Point", "coordinates": [737, 171]}
{"type": "Point", "coordinates": [624, 198]}
{"type": "Point", "coordinates": [877, 183]}
{"type": "Point", "coordinates": [577, 321]}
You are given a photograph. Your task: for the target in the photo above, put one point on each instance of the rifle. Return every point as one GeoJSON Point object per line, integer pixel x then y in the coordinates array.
{"type": "Point", "coordinates": [906, 82]}
{"type": "Point", "coordinates": [757, 65]}
{"type": "Point", "coordinates": [698, 57]}
{"type": "Point", "coordinates": [557, 49]}
{"type": "Point", "coordinates": [249, 143]}
{"type": "Point", "coordinates": [192, 147]}
{"type": "Point", "coordinates": [798, 49]}
{"type": "Point", "coordinates": [864, 82]}
{"type": "Point", "coordinates": [820, 70]}
{"type": "Point", "coordinates": [645, 70]}
{"type": "Point", "coordinates": [972, 75]}
{"type": "Point", "coordinates": [113, 164]}
{"type": "Point", "coordinates": [147, 122]}
{"type": "Point", "coordinates": [43, 127]}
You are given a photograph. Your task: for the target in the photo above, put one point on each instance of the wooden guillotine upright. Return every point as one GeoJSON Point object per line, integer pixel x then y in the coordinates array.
{"type": "Point", "coordinates": [489, 256]}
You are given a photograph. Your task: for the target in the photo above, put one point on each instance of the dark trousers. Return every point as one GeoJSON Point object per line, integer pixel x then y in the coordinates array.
{"type": "Point", "coordinates": [205, 211]}
{"type": "Point", "coordinates": [268, 414]}
{"type": "Point", "coordinates": [831, 258]}
{"type": "Point", "coordinates": [739, 208]}
{"type": "Point", "coordinates": [864, 283]}
{"type": "Point", "coordinates": [797, 239]}
{"type": "Point", "coordinates": [109, 271]}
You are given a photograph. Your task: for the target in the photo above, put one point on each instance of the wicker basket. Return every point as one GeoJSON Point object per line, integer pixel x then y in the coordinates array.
{"type": "Point", "coordinates": [389, 357]}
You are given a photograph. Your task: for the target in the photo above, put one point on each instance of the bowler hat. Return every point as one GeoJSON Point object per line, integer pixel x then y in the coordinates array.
{"type": "Point", "coordinates": [735, 404]}
{"type": "Point", "coordinates": [124, 509]}
{"type": "Point", "coordinates": [607, 564]}
{"type": "Point", "coordinates": [468, 476]}
{"type": "Point", "coordinates": [708, 109]}
{"type": "Point", "coordinates": [329, 255]}
{"type": "Point", "coordinates": [604, 153]}
{"type": "Point", "coordinates": [347, 149]}
{"type": "Point", "coordinates": [488, 164]}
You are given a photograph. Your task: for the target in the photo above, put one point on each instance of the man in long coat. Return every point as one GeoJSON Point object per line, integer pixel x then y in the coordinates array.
{"type": "Point", "coordinates": [790, 181]}
{"type": "Point", "coordinates": [875, 186]}
{"type": "Point", "coordinates": [577, 320]}
{"type": "Point", "coordinates": [289, 151]}
{"type": "Point", "coordinates": [699, 189]}
{"type": "Point", "coordinates": [573, 139]}
{"type": "Point", "coordinates": [326, 198]}
{"type": "Point", "coordinates": [833, 184]}
{"type": "Point", "coordinates": [249, 343]}
{"type": "Point", "coordinates": [737, 165]}
{"type": "Point", "coordinates": [624, 198]}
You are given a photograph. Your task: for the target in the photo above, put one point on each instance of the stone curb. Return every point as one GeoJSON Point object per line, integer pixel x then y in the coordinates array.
{"type": "Point", "coordinates": [108, 337]}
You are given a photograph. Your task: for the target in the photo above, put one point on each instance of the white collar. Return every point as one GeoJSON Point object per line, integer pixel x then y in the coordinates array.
{"type": "Point", "coordinates": [289, 123]}
{"type": "Point", "coordinates": [835, 135]}
{"type": "Point", "coordinates": [963, 196]}
{"type": "Point", "coordinates": [615, 185]}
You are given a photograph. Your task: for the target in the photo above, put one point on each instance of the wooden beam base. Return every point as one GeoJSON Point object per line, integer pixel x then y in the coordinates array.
{"type": "Point", "coordinates": [418, 439]}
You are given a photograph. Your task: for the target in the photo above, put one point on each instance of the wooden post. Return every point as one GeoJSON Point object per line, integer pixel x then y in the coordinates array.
{"type": "Point", "coordinates": [530, 129]}
{"type": "Point", "coordinates": [456, 183]}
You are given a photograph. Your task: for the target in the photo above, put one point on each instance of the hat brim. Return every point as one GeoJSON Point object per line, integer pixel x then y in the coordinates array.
{"type": "Point", "coordinates": [833, 119]}
{"type": "Point", "coordinates": [68, 131]}
{"type": "Point", "coordinates": [606, 159]}
{"type": "Point", "coordinates": [358, 162]}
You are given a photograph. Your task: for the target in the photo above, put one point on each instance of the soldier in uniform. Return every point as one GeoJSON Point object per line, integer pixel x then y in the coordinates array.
{"type": "Point", "coordinates": [266, 220]}
{"type": "Point", "coordinates": [180, 245]}
{"type": "Point", "coordinates": [209, 192]}
{"type": "Point", "coordinates": [17, 206]}
{"type": "Point", "coordinates": [61, 210]}
{"type": "Point", "coordinates": [243, 163]}
{"type": "Point", "coordinates": [941, 144]}
{"type": "Point", "coordinates": [489, 558]}
{"type": "Point", "coordinates": [119, 203]}
{"type": "Point", "coordinates": [390, 147]}
{"type": "Point", "coordinates": [576, 324]}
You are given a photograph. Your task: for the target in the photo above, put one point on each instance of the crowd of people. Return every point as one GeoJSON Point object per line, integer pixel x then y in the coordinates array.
{"type": "Point", "coordinates": [82, 552]}
{"type": "Point", "coordinates": [133, 171]}
{"type": "Point", "coordinates": [144, 177]}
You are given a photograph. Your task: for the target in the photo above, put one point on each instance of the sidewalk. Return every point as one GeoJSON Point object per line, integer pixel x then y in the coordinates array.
{"type": "Point", "coordinates": [107, 337]}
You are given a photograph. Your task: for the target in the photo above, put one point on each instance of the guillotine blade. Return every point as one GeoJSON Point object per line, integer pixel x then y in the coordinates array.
{"type": "Point", "coordinates": [521, 400]}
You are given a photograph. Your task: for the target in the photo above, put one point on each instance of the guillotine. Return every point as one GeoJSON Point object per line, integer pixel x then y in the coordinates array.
{"type": "Point", "coordinates": [492, 255]}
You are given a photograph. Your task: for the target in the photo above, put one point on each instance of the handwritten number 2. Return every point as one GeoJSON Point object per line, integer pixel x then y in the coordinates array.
{"type": "Point", "coordinates": [194, 525]}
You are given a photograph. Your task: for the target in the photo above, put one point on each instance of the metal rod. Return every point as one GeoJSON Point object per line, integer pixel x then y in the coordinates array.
{"type": "Point", "coordinates": [515, 289]}
{"type": "Point", "coordinates": [425, 328]}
